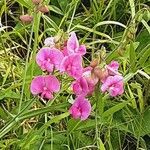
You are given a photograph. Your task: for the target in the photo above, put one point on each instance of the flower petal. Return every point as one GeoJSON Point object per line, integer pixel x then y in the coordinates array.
{"type": "Point", "coordinates": [37, 84]}
{"type": "Point", "coordinates": [72, 43]}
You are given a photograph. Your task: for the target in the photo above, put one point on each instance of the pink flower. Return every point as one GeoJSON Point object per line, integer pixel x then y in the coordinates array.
{"type": "Point", "coordinates": [45, 86]}
{"type": "Point", "coordinates": [72, 65]}
{"type": "Point", "coordinates": [48, 58]}
{"type": "Point", "coordinates": [81, 108]}
{"type": "Point", "coordinates": [73, 46]}
{"type": "Point", "coordinates": [114, 85]}
{"type": "Point", "coordinates": [113, 68]}
{"type": "Point", "coordinates": [91, 79]}
{"type": "Point", "coordinates": [80, 86]}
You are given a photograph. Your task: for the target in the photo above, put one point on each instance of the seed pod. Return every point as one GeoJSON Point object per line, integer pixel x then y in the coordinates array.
{"type": "Point", "coordinates": [36, 2]}
{"type": "Point", "coordinates": [26, 18]}
{"type": "Point", "coordinates": [43, 9]}
{"type": "Point", "coordinates": [101, 73]}
{"type": "Point", "coordinates": [94, 63]}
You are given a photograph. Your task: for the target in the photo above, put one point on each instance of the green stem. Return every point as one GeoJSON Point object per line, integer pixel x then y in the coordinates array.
{"type": "Point", "coordinates": [25, 72]}
{"type": "Point", "coordinates": [72, 17]}
{"type": "Point", "coordinates": [35, 47]}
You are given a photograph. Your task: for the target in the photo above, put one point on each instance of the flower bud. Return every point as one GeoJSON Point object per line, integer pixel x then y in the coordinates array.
{"type": "Point", "coordinates": [94, 63]}
{"type": "Point", "coordinates": [43, 9]}
{"type": "Point", "coordinates": [101, 73]}
{"type": "Point", "coordinates": [36, 2]}
{"type": "Point", "coordinates": [26, 18]}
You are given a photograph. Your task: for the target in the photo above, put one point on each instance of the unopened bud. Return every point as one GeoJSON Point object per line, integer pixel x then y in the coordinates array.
{"type": "Point", "coordinates": [43, 9]}
{"type": "Point", "coordinates": [36, 2]}
{"type": "Point", "coordinates": [26, 18]}
{"type": "Point", "coordinates": [101, 73]}
{"type": "Point", "coordinates": [94, 63]}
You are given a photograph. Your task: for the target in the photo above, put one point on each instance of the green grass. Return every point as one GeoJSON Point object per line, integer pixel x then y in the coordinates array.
{"type": "Point", "coordinates": [122, 27]}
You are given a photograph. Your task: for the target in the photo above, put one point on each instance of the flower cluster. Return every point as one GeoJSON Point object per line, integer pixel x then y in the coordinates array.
{"type": "Point", "coordinates": [68, 59]}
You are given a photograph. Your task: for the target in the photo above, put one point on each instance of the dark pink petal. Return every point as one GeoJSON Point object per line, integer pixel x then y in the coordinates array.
{"type": "Point", "coordinates": [75, 112]}
{"type": "Point", "coordinates": [47, 95]}
{"type": "Point", "coordinates": [80, 86]}
{"type": "Point", "coordinates": [37, 84]}
{"type": "Point", "coordinates": [72, 64]}
{"type": "Point", "coordinates": [52, 83]}
{"type": "Point", "coordinates": [45, 86]}
{"type": "Point", "coordinates": [114, 65]}
{"type": "Point", "coordinates": [81, 108]}
{"type": "Point", "coordinates": [65, 51]}
{"type": "Point", "coordinates": [82, 50]}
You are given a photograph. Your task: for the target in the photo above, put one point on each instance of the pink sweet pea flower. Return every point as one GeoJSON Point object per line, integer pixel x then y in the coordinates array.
{"type": "Point", "coordinates": [72, 65]}
{"type": "Point", "coordinates": [113, 68]}
{"type": "Point", "coordinates": [114, 85]}
{"type": "Point", "coordinates": [81, 108]}
{"type": "Point", "coordinates": [73, 46]}
{"type": "Point", "coordinates": [45, 86]}
{"type": "Point", "coordinates": [80, 87]}
{"type": "Point", "coordinates": [48, 58]}
{"type": "Point", "coordinates": [91, 79]}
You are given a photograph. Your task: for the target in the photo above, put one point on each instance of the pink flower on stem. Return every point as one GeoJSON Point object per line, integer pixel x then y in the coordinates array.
{"type": "Point", "coordinates": [114, 85]}
{"type": "Point", "coordinates": [80, 86]}
{"type": "Point", "coordinates": [48, 58]}
{"type": "Point", "coordinates": [73, 46]}
{"type": "Point", "coordinates": [113, 68]}
{"type": "Point", "coordinates": [72, 65]}
{"type": "Point", "coordinates": [81, 108]}
{"type": "Point", "coordinates": [45, 86]}
{"type": "Point", "coordinates": [91, 79]}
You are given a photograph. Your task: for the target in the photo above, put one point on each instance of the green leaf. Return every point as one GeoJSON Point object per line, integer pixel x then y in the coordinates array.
{"type": "Point", "coordinates": [144, 57]}
{"type": "Point", "coordinates": [63, 4]}
{"type": "Point", "coordinates": [145, 123]}
{"type": "Point", "coordinates": [55, 9]}
{"type": "Point", "coordinates": [9, 94]}
{"type": "Point", "coordinates": [25, 3]}
{"type": "Point", "coordinates": [114, 109]}
{"type": "Point", "coordinates": [132, 56]}
{"type": "Point", "coordinates": [102, 147]}
{"type": "Point", "coordinates": [33, 113]}
{"type": "Point", "coordinates": [146, 25]}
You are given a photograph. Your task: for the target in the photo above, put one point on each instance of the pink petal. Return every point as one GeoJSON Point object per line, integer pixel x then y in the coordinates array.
{"type": "Point", "coordinates": [36, 86]}
{"type": "Point", "coordinates": [47, 57]}
{"type": "Point", "coordinates": [82, 50]}
{"type": "Point", "coordinates": [52, 83]}
{"type": "Point", "coordinates": [114, 85]}
{"type": "Point", "coordinates": [45, 86]}
{"type": "Point", "coordinates": [72, 43]}
{"type": "Point", "coordinates": [113, 68]}
{"type": "Point", "coordinates": [114, 65]}
{"type": "Point", "coordinates": [72, 64]}
{"type": "Point", "coordinates": [80, 86]}
{"type": "Point", "coordinates": [48, 95]}
{"type": "Point", "coordinates": [75, 112]}
{"type": "Point", "coordinates": [81, 108]}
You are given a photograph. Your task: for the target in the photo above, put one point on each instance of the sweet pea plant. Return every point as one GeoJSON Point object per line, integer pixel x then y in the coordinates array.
{"type": "Point", "coordinates": [68, 60]}
{"type": "Point", "coordinates": [74, 75]}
